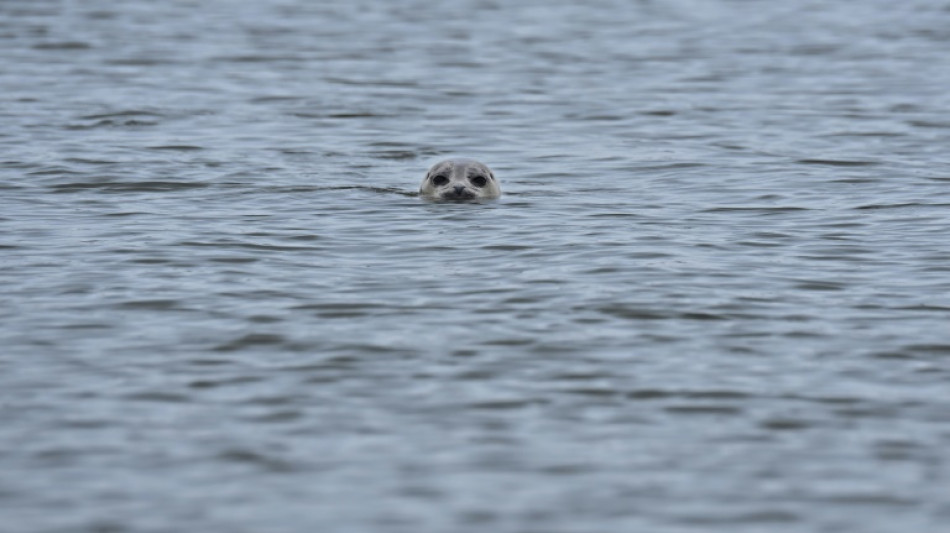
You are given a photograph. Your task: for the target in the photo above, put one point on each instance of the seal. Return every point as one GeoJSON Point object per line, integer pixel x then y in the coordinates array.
{"type": "Point", "coordinates": [456, 180]}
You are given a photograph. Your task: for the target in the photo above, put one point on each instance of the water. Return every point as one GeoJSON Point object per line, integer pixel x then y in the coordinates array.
{"type": "Point", "coordinates": [714, 296]}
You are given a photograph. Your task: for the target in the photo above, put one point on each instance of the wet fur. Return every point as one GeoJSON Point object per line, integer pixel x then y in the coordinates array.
{"type": "Point", "coordinates": [460, 178]}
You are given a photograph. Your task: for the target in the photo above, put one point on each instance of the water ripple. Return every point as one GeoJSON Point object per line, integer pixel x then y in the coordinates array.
{"type": "Point", "coordinates": [713, 296]}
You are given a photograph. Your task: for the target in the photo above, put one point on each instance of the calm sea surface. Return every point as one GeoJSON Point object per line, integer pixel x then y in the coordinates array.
{"type": "Point", "coordinates": [715, 296]}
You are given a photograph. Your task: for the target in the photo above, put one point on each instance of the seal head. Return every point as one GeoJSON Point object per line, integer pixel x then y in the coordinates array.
{"type": "Point", "coordinates": [456, 180]}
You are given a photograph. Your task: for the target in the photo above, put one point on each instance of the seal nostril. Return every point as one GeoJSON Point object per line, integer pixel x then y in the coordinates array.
{"type": "Point", "coordinates": [459, 189]}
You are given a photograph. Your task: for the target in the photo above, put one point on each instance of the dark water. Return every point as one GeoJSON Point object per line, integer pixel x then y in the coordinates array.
{"type": "Point", "coordinates": [715, 296]}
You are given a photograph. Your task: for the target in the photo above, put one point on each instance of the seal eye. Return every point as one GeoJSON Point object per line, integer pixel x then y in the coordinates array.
{"type": "Point", "coordinates": [440, 180]}
{"type": "Point", "coordinates": [479, 181]}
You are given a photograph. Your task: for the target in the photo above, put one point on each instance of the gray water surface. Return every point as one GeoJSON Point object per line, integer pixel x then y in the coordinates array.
{"type": "Point", "coordinates": [714, 297]}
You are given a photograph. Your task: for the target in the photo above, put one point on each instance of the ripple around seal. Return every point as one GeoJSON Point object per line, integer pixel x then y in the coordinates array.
{"type": "Point", "coordinates": [121, 187]}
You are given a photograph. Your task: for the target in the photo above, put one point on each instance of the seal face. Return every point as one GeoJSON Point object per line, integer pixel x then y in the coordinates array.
{"type": "Point", "coordinates": [456, 180]}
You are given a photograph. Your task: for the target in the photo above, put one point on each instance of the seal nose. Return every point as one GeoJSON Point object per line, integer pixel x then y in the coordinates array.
{"type": "Point", "coordinates": [459, 189]}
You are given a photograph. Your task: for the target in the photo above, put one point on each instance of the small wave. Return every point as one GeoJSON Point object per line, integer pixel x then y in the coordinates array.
{"type": "Point", "coordinates": [251, 457]}
{"type": "Point", "coordinates": [898, 206]}
{"type": "Point", "coordinates": [121, 114]}
{"type": "Point", "coordinates": [65, 45]}
{"type": "Point", "coordinates": [177, 147]}
{"type": "Point", "coordinates": [251, 340]}
{"type": "Point", "coordinates": [837, 162]}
